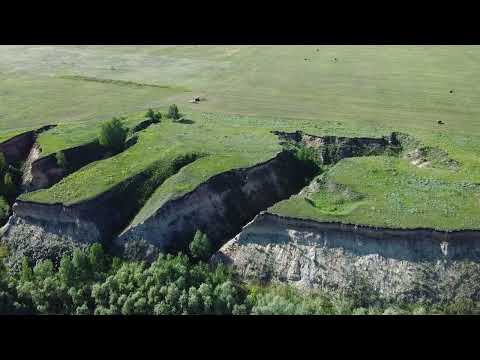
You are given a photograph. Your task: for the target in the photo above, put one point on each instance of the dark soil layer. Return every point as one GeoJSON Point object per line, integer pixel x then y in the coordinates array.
{"type": "Point", "coordinates": [17, 148]}
{"type": "Point", "coordinates": [46, 171]}
{"type": "Point", "coordinates": [222, 205]}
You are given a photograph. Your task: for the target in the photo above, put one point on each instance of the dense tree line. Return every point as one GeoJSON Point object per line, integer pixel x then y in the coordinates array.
{"type": "Point", "coordinates": [92, 282]}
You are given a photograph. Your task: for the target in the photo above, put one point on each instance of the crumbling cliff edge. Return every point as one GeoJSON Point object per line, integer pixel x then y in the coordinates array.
{"type": "Point", "coordinates": [316, 255]}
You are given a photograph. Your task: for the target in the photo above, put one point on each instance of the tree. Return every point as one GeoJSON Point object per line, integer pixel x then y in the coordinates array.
{"type": "Point", "coordinates": [310, 157]}
{"type": "Point", "coordinates": [3, 162]}
{"type": "Point", "coordinates": [97, 258]}
{"type": "Point", "coordinates": [61, 161]}
{"type": "Point", "coordinates": [4, 210]}
{"type": "Point", "coordinates": [201, 247]}
{"type": "Point", "coordinates": [66, 271]}
{"type": "Point", "coordinates": [173, 112]}
{"type": "Point", "coordinates": [9, 188]}
{"type": "Point", "coordinates": [27, 272]}
{"type": "Point", "coordinates": [113, 135]}
{"type": "Point", "coordinates": [153, 116]}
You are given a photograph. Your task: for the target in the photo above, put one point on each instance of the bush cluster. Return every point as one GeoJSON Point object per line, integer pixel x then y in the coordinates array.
{"type": "Point", "coordinates": [173, 112]}
{"type": "Point", "coordinates": [154, 117]}
{"type": "Point", "coordinates": [113, 135]}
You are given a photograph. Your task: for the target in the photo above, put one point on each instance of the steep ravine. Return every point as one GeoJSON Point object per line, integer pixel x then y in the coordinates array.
{"type": "Point", "coordinates": [226, 202]}
{"type": "Point", "coordinates": [48, 230]}
{"type": "Point", "coordinates": [220, 206]}
{"type": "Point", "coordinates": [44, 172]}
{"type": "Point", "coordinates": [17, 149]}
{"type": "Point", "coordinates": [409, 264]}
{"type": "Point", "coordinates": [401, 264]}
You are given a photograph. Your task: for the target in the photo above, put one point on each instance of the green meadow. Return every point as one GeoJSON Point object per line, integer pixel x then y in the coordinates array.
{"type": "Point", "coordinates": [249, 91]}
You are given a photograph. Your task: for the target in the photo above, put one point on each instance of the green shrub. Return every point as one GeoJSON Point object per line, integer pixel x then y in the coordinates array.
{"type": "Point", "coordinates": [310, 157]}
{"type": "Point", "coordinates": [3, 162]}
{"type": "Point", "coordinates": [153, 116]}
{"type": "Point", "coordinates": [201, 247]}
{"type": "Point", "coordinates": [9, 189]}
{"type": "Point", "coordinates": [4, 210]}
{"type": "Point", "coordinates": [3, 252]}
{"type": "Point", "coordinates": [61, 161]}
{"type": "Point", "coordinates": [113, 135]}
{"type": "Point", "coordinates": [173, 112]}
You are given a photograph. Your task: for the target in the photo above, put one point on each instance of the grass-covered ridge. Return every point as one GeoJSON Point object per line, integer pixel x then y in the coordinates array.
{"type": "Point", "coordinates": [9, 134]}
{"type": "Point", "coordinates": [167, 140]}
{"type": "Point", "coordinates": [395, 192]}
{"type": "Point", "coordinates": [368, 92]}
{"type": "Point", "coordinates": [388, 192]}
{"type": "Point", "coordinates": [384, 191]}
{"type": "Point", "coordinates": [67, 135]}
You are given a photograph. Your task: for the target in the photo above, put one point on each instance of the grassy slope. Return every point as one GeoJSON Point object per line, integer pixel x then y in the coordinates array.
{"type": "Point", "coordinates": [8, 134]}
{"type": "Point", "coordinates": [392, 192]}
{"type": "Point", "coordinates": [370, 91]}
{"type": "Point", "coordinates": [67, 135]}
{"type": "Point", "coordinates": [210, 135]}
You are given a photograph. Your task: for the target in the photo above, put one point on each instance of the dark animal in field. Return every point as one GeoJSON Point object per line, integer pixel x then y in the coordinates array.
{"type": "Point", "coordinates": [195, 100]}
{"type": "Point", "coordinates": [440, 122]}
{"type": "Point", "coordinates": [335, 59]}
{"type": "Point", "coordinates": [451, 91]}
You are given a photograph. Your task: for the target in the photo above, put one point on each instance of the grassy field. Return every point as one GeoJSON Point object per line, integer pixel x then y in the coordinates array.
{"type": "Point", "coordinates": [407, 86]}
{"type": "Point", "coordinates": [249, 91]}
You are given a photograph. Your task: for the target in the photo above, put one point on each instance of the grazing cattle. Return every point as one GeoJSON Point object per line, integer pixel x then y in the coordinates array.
{"type": "Point", "coordinates": [440, 122]}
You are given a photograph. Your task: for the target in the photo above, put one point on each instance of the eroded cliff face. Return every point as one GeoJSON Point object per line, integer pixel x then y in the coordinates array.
{"type": "Point", "coordinates": [18, 148]}
{"type": "Point", "coordinates": [39, 229]}
{"type": "Point", "coordinates": [222, 205]}
{"type": "Point", "coordinates": [332, 149]}
{"type": "Point", "coordinates": [42, 231]}
{"type": "Point", "coordinates": [405, 264]}
{"type": "Point", "coordinates": [45, 171]}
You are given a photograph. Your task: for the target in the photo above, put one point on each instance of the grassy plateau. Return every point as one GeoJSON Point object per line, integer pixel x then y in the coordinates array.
{"type": "Point", "coordinates": [249, 91]}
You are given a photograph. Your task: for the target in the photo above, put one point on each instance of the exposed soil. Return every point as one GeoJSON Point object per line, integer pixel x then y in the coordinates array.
{"type": "Point", "coordinates": [222, 205]}
{"type": "Point", "coordinates": [34, 225]}
{"type": "Point", "coordinates": [17, 149]}
{"type": "Point", "coordinates": [321, 255]}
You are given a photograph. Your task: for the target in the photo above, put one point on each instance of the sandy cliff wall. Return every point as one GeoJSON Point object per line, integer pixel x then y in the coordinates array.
{"type": "Point", "coordinates": [47, 230]}
{"type": "Point", "coordinates": [309, 254]}
{"type": "Point", "coordinates": [222, 205]}
{"type": "Point", "coordinates": [45, 172]}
